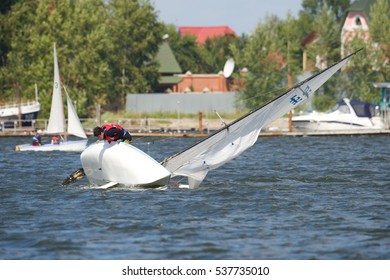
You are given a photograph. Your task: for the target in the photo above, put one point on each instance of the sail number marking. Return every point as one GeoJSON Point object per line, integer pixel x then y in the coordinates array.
{"type": "Point", "coordinates": [296, 98]}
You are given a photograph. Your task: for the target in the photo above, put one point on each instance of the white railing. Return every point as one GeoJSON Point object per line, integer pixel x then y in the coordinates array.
{"type": "Point", "coordinates": [13, 105]}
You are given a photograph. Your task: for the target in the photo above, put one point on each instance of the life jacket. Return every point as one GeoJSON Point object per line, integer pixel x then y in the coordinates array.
{"type": "Point", "coordinates": [36, 140]}
{"type": "Point", "coordinates": [107, 127]}
{"type": "Point", "coordinates": [54, 140]}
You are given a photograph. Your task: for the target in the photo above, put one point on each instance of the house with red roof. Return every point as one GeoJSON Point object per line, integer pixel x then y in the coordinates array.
{"type": "Point", "coordinates": [172, 78]}
{"type": "Point", "coordinates": [202, 33]}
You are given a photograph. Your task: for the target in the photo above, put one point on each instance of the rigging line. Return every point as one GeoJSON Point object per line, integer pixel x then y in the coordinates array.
{"type": "Point", "coordinates": [159, 140]}
{"type": "Point", "coordinates": [152, 142]}
{"type": "Point", "coordinates": [264, 93]}
{"type": "Point", "coordinates": [220, 118]}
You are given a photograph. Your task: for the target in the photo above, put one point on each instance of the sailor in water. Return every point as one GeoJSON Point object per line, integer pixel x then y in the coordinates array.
{"type": "Point", "coordinates": [37, 139]}
{"type": "Point", "coordinates": [112, 132]}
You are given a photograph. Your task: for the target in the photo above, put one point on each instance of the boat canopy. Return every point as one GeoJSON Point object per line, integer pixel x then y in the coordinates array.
{"type": "Point", "coordinates": [362, 109]}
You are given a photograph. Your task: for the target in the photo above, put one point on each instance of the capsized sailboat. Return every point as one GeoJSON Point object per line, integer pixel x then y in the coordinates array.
{"type": "Point", "coordinates": [210, 153]}
{"type": "Point", "coordinates": [107, 164]}
{"type": "Point", "coordinates": [57, 123]}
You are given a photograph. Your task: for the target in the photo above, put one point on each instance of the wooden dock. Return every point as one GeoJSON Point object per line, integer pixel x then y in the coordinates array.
{"type": "Point", "coordinates": [190, 128]}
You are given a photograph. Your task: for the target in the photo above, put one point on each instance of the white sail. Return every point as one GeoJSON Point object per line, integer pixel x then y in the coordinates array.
{"type": "Point", "coordinates": [57, 118]}
{"type": "Point", "coordinates": [230, 141]}
{"type": "Point", "coordinates": [74, 125]}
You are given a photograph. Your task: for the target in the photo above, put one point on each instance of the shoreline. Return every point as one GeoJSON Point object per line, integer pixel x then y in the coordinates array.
{"type": "Point", "coordinates": [191, 127]}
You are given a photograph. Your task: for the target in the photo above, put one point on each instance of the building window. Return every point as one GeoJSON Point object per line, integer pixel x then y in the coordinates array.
{"type": "Point", "coordinates": [358, 21]}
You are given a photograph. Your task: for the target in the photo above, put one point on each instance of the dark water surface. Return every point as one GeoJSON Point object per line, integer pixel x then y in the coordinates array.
{"type": "Point", "coordinates": [284, 198]}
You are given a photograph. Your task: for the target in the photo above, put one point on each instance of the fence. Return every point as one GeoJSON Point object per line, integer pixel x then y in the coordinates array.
{"type": "Point", "coordinates": [190, 103]}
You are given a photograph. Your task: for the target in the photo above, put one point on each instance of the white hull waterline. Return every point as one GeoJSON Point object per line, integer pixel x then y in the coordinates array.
{"type": "Point", "coordinates": [347, 115]}
{"type": "Point", "coordinates": [123, 164]}
{"type": "Point", "coordinates": [69, 146]}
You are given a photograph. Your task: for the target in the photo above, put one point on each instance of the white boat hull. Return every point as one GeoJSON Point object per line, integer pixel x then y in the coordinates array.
{"type": "Point", "coordinates": [342, 117]}
{"type": "Point", "coordinates": [68, 146]}
{"type": "Point", "coordinates": [124, 164]}
{"type": "Point", "coordinates": [11, 111]}
{"type": "Point", "coordinates": [313, 124]}
{"type": "Point", "coordinates": [9, 114]}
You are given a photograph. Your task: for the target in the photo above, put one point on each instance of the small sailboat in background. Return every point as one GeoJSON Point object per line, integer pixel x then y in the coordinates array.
{"type": "Point", "coordinates": [57, 122]}
{"type": "Point", "coordinates": [101, 166]}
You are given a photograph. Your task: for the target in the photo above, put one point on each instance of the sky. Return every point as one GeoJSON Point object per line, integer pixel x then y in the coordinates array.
{"type": "Point", "coordinates": [240, 15]}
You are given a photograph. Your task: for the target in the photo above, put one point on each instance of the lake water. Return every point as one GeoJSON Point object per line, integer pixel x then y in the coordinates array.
{"type": "Point", "coordinates": [284, 198]}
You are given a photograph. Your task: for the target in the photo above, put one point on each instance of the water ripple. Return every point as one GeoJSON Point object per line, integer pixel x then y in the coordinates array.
{"type": "Point", "coordinates": [286, 198]}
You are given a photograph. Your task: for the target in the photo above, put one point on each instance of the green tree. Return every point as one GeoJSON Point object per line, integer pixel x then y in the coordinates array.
{"type": "Point", "coordinates": [327, 30]}
{"type": "Point", "coordinates": [263, 57]}
{"type": "Point", "coordinates": [291, 44]}
{"type": "Point", "coordinates": [215, 51]}
{"type": "Point", "coordinates": [313, 8]}
{"type": "Point", "coordinates": [105, 50]}
{"type": "Point", "coordinates": [5, 6]}
{"type": "Point", "coordinates": [188, 54]}
{"type": "Point", "coordinates": [16, 29]}
{"type": "Point", "coordinates": [379, 27]}
{"type": "Point", "coordinates": [76, 29]}
{"type": "Point", "coordinates": [326, 49]}
{"type": "Point", "coordinates": [360, 72]}
{"type": "Point", "coordinates": [372, 64]}
{"type": "Point", "coordinates": [135, 35]}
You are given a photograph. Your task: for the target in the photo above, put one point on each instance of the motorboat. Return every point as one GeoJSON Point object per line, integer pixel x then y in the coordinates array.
{"type": "Point", "coordinates": [345, 115]}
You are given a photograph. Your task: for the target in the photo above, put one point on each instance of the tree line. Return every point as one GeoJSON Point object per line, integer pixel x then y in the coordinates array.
{"type": "Point", "coordinates": [106, 49]}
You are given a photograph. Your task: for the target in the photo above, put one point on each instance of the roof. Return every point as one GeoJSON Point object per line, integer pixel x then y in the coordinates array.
{"type": "Point", "coordinates": [312, 37]}
{"type": "Point", "coordinates": [381, 85]}
{"type": "Point", "coordinates": [363, 6]}
{"type": "Point", "coordinates": [167, 60]}
{"type": "Point", "coordinates": [206, 32]}
{"type": "Point", "coordinates": [360, 6]}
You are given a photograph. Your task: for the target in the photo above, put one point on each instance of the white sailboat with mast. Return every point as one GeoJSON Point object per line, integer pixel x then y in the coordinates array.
{"type": "Point", "coordinates": [57, 122]}
{"type": "Point", "coordinates": [196, 161]}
